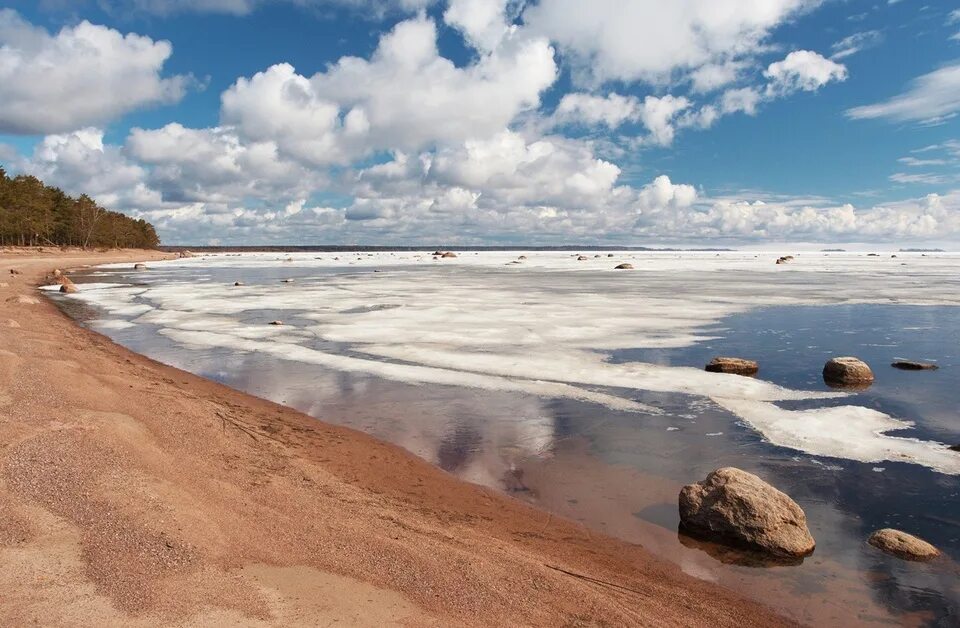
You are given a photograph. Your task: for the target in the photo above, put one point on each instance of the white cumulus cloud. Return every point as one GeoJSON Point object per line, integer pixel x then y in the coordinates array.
{"type": "Point", "coordinates": [802, 70]}
{"type": "Point", "coordinates": [652, 40]}
{"type": "Point", "coordinates": [405, 97]}
{"type": "Point", "coordinates": [81, 76]}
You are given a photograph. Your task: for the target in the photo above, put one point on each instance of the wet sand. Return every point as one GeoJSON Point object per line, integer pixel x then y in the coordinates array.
{"type": "Point", "coordinates": [134, 493]}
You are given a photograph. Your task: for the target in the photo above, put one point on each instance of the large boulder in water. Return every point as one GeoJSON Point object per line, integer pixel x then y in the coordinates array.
{"type": "Point", "coordinates": [737, 508]}
{"type": "Point", "coordinates": [623, 266]}
{"type": "Point", "coordinates": [902, 545]}
{"type": "Point", "coordinates": [737, 366]}
{"type": "Point", "coordinates": [847, 371]}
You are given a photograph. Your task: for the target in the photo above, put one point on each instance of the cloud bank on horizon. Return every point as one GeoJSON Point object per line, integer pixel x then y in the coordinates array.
{"type": "Point", "coordinates": [492, 121]}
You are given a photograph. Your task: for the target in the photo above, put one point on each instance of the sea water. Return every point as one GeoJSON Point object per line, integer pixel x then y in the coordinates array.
{"type": "Point", "coordinates": [580, 388]}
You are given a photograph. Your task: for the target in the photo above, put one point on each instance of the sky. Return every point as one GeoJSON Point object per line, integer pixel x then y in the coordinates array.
{"type": "Point", "coordinates": [617, 122]}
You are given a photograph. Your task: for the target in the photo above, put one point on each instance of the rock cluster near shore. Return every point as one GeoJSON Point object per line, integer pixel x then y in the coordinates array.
{"type": "Point", "coordinates": [735, 508]}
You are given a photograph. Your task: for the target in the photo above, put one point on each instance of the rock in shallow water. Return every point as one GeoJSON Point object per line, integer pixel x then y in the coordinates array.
{"type": "Point", "coordinates": [737, 366]}
{"type": "Point", "coordinates": [910, 365]}
{"type": "Point", "coordinates": [735, 507]}
{"type": "Point", "coordinates": [847, 371]}
{"type": "Point", "coordinates": [67, 286]}
{"type": "Point", "coordinates": [624, 266]}
{"type": "Point", "coordinates": [902, 545]}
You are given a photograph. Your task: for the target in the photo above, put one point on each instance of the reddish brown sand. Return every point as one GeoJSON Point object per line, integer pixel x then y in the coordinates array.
{"type": "Point", "coordinates": [132, 493]}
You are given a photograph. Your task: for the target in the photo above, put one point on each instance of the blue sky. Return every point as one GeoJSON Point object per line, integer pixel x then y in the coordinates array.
{"type": "Point", "coordinates": [494, 121]}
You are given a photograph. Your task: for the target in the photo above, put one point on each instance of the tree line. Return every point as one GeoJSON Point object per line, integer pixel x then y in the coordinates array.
{"type": "Point", "coordinates": [34, 214]}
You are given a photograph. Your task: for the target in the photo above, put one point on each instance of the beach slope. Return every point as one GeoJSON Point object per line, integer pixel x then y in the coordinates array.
{"type": "Point", "coordinates": [132, 493]}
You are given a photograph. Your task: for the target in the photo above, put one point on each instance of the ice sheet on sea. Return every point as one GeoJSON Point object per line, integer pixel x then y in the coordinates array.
{"type": "Point", "coordinates": [409, 373]}
{"type": "Point", "coordinates": [549, 326]}
{"type": "Point", "coordinates": [851, 432]}
{"type": "Point", "coordinates": [589, 368]}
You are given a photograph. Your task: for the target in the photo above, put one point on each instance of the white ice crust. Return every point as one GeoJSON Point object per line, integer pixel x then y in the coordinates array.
{"type": "Point", "coordinates": [546, 326]}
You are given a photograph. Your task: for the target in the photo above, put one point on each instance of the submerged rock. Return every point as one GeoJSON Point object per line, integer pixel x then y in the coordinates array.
{"type": "Point", "coordinates": [847, 371]}
{"type": "Point", "coordinates": [737, 366]}
{"type": "Point", "coordinates": [735, 507]}
{"type": "Point", "coordinates": [286, 281]}
{"type": "Point", "coordinates": [581, 258]}
{"type": "Point", "coordinates": [624, 266]}
{"type": "Point", "coordinates": [902, 545]}
{"type": "Point", "coordinates": [910, 365]}
{"type": "Point", "coordinates": [276, 323]}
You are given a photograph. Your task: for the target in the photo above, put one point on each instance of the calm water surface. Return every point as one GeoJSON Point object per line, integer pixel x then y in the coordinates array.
{"type": "Point", "coordinates": [619, 472]}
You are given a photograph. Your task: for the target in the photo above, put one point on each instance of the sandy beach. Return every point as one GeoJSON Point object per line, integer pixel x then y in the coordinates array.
{"type": "Point", "coordinates": [133, 493]}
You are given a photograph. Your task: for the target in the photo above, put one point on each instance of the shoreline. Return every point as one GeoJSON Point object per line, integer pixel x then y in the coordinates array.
{"type": "Point", "coordinates": [134, 492]}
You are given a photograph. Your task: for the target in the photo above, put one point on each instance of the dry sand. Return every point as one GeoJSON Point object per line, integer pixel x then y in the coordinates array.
{"type": "Point", "coordinates": [132, 493]}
